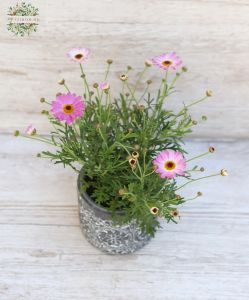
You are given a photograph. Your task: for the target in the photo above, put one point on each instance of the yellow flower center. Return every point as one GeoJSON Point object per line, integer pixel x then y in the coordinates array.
{"type": "Point", "coordinates": [170, 165]}
{"type": "Point", "coordinates": [78, 56]}
{"type": "Point", "coordinates": [68, 108]}
{"type": "Point", "coordinates": [167, 63]}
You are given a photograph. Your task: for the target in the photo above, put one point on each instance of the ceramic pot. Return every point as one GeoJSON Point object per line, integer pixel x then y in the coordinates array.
{"type": "Point", "coordinates": [102, 232]}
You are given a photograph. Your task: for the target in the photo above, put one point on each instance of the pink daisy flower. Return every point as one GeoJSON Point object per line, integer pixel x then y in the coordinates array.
{"type": "Point", "coordinates": [30, 130]}
{"type": "Point", "coordinates": [104, 85]}
{"type": "Point", "coordinates": [78, 54]}
{"type": "Point", "coordinates": [68, 107]}
{"type": "Point", "coordinates": [169, 163]}
{"type": "Point", "coordinates": [167, 61]}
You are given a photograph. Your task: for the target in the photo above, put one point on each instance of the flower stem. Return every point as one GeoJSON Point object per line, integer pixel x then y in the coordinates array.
{"type": "Point", "coordinates": [198, 101]}
{"type": "Point", "coordinates": [165, 84]}
{"type": "Point", "coordinates": [46, 102]}
{"type": "Point", "coordinates": [101, 134]}
{"type": "Point", "coordinates": [106, 74]}
{"type": "Point", "coordinates": [75, 129]}
{"type": "Point", "coordinates": [98, 94]}
{"type": "Point", "coordinates": [121, 145]}
{"type": "Point", "coordinates": [130, 90]}
{"type": "Point", "coordinates": [198, 170]}
{"type": "Point", "coordinates": [107, 71]}
{"type": "Point", "coordinates": [138, 80]}
{"type": "Point", "coordinates": [66, 87]}
{"type": "Point", "coordinates": [166, 183]}
{"type": "Point", "coordinates": [120, 164]}
{"type": "Point", "coordinates": [85, 81]}
{"type": "Point", "coordinates": [193, 180]}
{"type": "Point", "coordinates": [198, 156]}
{"type": "Point", "coordinates": [146, 90]}
{"type": "Point", "coordinates": [73, 155]}
{"type": "Point", "coordinates": [150, 173]}
{"type": "Point", "coordinates": [136, 175]}
{"type": "Point", "coordinates": [140, 170]}
{"type": "Point", "coordinates": [190, 199]}
{"type": "Point", "coordinates": [164, 90]}
{"type": "Point", "coordinates": [174, 80]}
{"type": "Point", "coordinates": [44, 140]}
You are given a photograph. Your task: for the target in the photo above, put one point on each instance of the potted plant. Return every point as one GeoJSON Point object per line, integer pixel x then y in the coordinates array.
{"type": "Point", "coordinates": [127, 150]}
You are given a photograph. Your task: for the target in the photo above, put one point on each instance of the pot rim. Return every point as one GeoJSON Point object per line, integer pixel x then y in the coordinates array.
{"type": "Point", "coordinates": [89, 200]}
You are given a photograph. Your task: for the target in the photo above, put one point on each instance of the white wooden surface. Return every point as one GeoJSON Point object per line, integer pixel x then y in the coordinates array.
{"type": "Point", "coordinates": [43, 254]}
{"type": "Point", "coordinates": [211, 36]}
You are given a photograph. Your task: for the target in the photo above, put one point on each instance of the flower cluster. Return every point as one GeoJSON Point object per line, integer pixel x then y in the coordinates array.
{"type": "Point", "coordinates": [129, 146]}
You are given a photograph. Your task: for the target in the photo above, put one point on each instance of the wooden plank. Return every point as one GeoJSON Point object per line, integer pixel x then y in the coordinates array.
{"type": "Point", "coordinates": [210, 36]}
{"type": "Point", "coordinates": [61, 262]}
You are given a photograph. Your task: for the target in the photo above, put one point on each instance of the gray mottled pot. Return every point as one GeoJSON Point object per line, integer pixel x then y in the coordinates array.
{"type": "Point", "coordinates": [102, 233]}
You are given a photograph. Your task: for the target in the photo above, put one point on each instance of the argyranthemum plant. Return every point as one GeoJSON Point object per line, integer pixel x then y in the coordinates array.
{"type": "Point", "coordinates": [128, 146]}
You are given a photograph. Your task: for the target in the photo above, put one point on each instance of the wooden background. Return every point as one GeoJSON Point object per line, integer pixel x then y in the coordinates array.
{"type": "Point", "coordinates": [210, 36]}
{"type": "Point", "coordinates": [43, 254]}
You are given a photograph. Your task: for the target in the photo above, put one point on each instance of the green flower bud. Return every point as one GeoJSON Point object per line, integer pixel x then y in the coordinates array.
{"type": "Point", "coordinates": [121, 192]}
{"type": "Point", "coordinates": [109, 61]}
{"type": "Point", "coordinates": [16, 133]}
{"type": "Point", "coordinates": [184, 69]}
{"type": "Point", "coordinates": [148, 63]}
{"type": "Point", "coordinates": [61, 82]}
{"type": "Point", "coordinates": [223, 172]}
{"type": "Point", "coordinates": [44, 112]}
{"type": "Point", "coordinates": [209, 93]}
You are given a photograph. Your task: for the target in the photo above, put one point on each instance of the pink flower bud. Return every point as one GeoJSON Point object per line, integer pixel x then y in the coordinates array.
{"type": "Point", "coordinates": [104, 85]}
{"type": "Point", "coordinates": [30, 130]}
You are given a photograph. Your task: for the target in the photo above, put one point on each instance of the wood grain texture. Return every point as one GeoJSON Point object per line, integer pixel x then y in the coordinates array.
{"type": "Point", "coordinates": [43, 254]}
{"type": "Point", "coordinates": [211, 37]}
